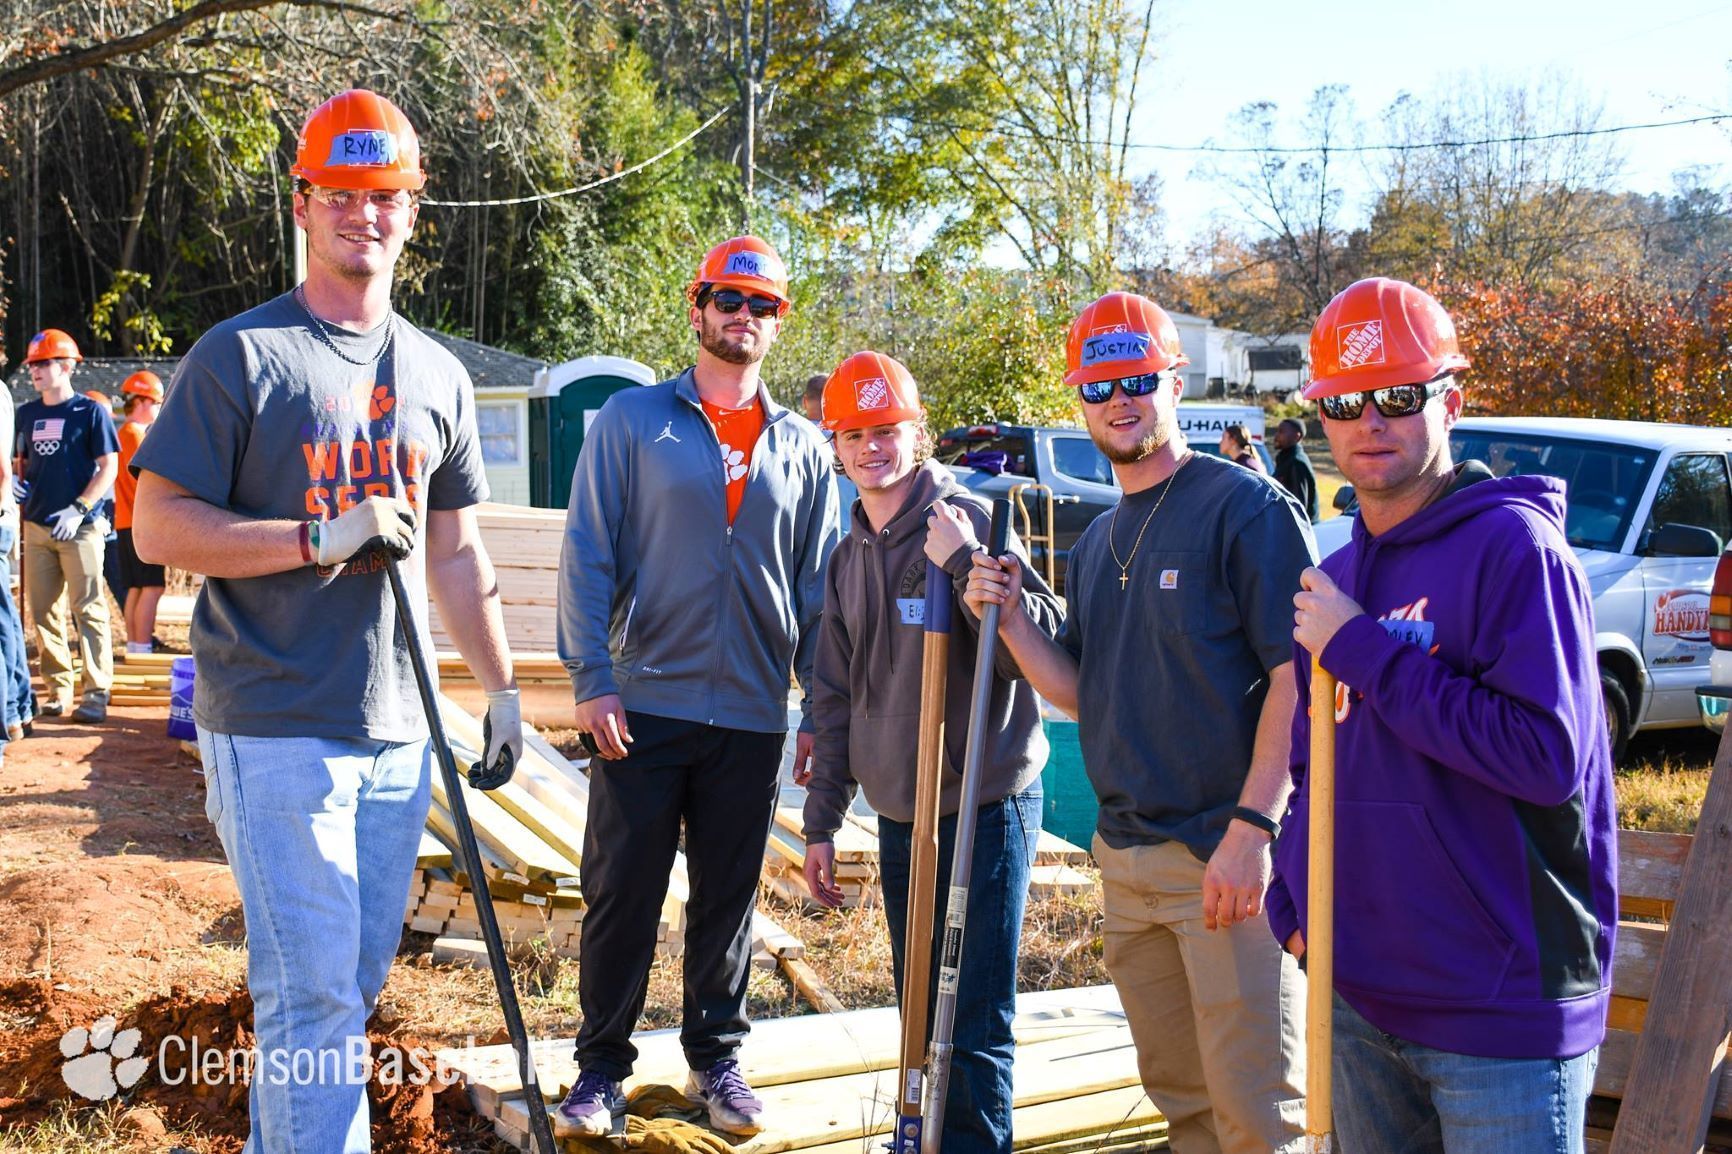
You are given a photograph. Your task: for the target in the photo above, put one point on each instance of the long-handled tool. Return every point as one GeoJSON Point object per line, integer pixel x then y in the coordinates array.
{"type": "Point", "coordinates": [923, 863]}
{"type": "Point", "coordinates": [1320, 902]}
{"type": "Point", "coordinates": [962, 854]}
{"type": "Point", "coordinates": [471, 856]}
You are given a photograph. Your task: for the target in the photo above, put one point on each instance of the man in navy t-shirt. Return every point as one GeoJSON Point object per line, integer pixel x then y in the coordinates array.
{"type": "Point", "coordinates": [67, 457]}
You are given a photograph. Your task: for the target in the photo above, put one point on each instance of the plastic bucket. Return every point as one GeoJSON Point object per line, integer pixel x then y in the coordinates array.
{"type": "Point", "coordinates": [1071, 805]}
{"type": "Point", "coordinates": [180, 684]}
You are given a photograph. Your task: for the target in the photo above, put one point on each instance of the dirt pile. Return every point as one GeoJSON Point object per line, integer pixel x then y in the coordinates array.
{"type": "Point", "coordinates": [196, 1077]}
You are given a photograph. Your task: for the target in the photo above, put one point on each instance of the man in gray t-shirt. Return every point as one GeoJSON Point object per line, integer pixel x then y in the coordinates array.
{"type": "Point", "coordinates": [300, 445]}
{"type": "Point", "coordinates": [1176, 660]}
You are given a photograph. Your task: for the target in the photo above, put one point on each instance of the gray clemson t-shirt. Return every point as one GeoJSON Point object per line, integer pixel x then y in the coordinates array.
{"type": "Point", "coordinates": [264, 419]}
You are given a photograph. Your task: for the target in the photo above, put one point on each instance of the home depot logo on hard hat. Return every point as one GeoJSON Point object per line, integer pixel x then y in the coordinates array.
{"type": "Point", "coordinates": [871, 393]}
{"type": "Point", "coordinates": [1360, 344]}
{"type": "Point", "coordinates": [1115, 343]}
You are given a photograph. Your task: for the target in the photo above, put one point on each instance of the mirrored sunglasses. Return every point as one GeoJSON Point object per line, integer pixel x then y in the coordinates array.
{"type": "Point", "coordinates": [1394, 401]}
{"type": "Point", "coordinates": [1100, 392]}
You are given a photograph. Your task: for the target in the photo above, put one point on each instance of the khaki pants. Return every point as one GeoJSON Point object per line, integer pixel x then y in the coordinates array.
{"type": "Point", "coordinates": [76, 567]}
{"type": "Point", "coordinates": [1218, 1017]}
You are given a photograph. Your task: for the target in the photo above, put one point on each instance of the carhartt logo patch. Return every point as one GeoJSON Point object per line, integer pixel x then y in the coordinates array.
{"type": "Point", "coordinates": [1169, 578]}
{"type": "Point", "coordinates": [872, 393]}
{"type": "Point", "coordinates": [1360, 344]}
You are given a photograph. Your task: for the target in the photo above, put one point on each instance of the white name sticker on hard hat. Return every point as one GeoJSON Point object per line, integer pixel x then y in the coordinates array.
{"type": "Point", "coordinates": [363, 146]}
{"type": "Point", "coordinates": [1121, 346]}
{"type": "Point", "coordinates": [745, 264]}
{"type": "Point", "coordinates": [1360, 344]}
{"type": "Point", "coordinates": [872, 393]}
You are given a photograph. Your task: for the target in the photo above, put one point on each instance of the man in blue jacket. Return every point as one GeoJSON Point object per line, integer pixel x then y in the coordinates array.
{"type": "Point", "coordinates": [691, 582]}
{"type": "Point", "coordinates": [1476, 892]}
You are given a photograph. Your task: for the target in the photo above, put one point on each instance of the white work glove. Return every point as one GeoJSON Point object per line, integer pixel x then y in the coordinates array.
{"type": "Point", "coordinates": [386, 523]}
{"type": "Point", "coordinates": [502, 734]}
{"type": "Point", "coordinates": [64, 524]}
{"type": "Point", "coordinates": [20, 488]}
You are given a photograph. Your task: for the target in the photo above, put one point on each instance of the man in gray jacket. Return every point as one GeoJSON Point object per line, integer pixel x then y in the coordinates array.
{"type": "Point", "coordinates": [690, 582]}
{"type": "Point", "coordinates": [911, 509]}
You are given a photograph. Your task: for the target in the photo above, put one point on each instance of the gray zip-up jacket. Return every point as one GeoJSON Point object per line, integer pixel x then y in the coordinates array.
{"type": "Point", "coordinates": [870, 653]}
{"type": "Point", "coordinates": [664, 603]}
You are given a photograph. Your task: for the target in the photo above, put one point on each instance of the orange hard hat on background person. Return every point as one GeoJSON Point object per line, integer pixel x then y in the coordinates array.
{"type": "Point", "coordinates": [747, 263]}
{"type": "Point", "coordinates": [869, 389]}
{"type": "Point", "coordinates": [52, 345]}
{"type": "Point", "coordinates": [358, 139]}
{"type": "Point", "coordinates": [1377, 333]}
{"type": "Point", "coordinates": [1121, 335]}
{"type": "Point", "coordinates": [143, 383]}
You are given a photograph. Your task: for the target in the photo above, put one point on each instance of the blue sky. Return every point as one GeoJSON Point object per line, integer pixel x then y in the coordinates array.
{"type": "Point", "coordinates": [1645, 62]}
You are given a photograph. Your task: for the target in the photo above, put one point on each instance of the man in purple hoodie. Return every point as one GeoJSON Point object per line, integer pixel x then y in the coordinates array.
{"type": "Point", "coordinates": [1476, 890]}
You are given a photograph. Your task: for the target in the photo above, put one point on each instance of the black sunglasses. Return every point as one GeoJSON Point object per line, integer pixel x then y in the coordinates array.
{"type": "Point", "coordinates": [1395, 401]}
{"type": "Point", "coordinates": [1100, 392]}
{"type": "Point", "coordinates": [730, 301]}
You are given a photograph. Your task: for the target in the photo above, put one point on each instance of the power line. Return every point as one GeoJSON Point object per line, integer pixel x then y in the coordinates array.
{"type": "Point", "coordinates": [610, 178]}
{"type": "Point", "coordinates": [1308, 150]}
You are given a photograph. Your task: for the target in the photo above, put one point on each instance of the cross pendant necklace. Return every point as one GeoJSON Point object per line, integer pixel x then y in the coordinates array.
{"type": "Point", "coordinates": [1113, 528]}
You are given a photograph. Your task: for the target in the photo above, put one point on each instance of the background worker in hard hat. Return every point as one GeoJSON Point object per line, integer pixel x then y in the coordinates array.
{"type": "Point", "coordinates": [1475, 861]}
{"type": "Point", "coordinates": [690, 584]}
{"type": "Point", "coordinates": [301, 444]}
{"type": "Point", "coordinates": [867, 705]}
{"type": "Point", "coordinates": [144, 583]}
{"type": "Point", "coordinates": [68, 458]}
{"type": "Point", "coordinates": [1176, 659]}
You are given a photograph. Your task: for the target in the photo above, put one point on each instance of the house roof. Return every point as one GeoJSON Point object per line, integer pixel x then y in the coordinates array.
{"type": "Point", "coordinates": [489, 368]}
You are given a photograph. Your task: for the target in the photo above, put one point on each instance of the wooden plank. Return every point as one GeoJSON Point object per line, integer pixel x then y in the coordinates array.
{"type": "Point", "coordinates": [850, 1107]}
{"type": "Point", "coordinates": [1650, 866]}
{"type": "Point", "coordinates": [515, 843]}
{"type": "Point", "coordinates": [775, 939]}
{"type": "Point", "coordinates": [1676, 1075]}
{"type": "Point", "coordinates": [1082, 1123]}
{"type": "Point", "coordinates": [810, 986]}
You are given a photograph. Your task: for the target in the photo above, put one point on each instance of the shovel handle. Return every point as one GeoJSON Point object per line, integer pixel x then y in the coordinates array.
{"type": "Point", "coordinates": [1320, 903]}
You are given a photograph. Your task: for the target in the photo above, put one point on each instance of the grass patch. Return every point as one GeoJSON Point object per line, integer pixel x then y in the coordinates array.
{"type": "Point", "coordinates": [1663, 780]}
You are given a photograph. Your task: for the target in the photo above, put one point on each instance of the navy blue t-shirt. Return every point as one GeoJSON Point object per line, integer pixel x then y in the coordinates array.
{"type": "Point", "coordinates": [60, 445]}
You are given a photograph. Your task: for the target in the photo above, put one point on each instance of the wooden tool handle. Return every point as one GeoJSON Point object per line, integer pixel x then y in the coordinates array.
{"type": "Point", "coordinates": [1320, 902]}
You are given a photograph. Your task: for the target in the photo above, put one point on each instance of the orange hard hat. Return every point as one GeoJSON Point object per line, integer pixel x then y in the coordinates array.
{"type": "Point", "coordinates": [99, 397]}
{"type": "Point", "coordinates": [1377, 333]}
{"type": "Point", "coordinates": [746, 263]}
{"type": "Point", "coordinates": [358, 139]}
{"type": "Point", "coordinates": [1121, 335]}
{"type": "Point", "coordinates": [143, 383]}
{"type": "Point", "coordinates": [870, 389]}
{"type": "Point", "coordinates": [52, 345]}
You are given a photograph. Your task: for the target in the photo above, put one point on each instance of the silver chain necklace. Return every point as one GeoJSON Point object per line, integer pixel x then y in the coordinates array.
{"type": "Point", "coordinates": [321, 331]}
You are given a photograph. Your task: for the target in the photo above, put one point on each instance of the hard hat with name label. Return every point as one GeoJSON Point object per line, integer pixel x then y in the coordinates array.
{"type": "Point", "coordinates": [358, 139]}
{"type": "Point", "coordinates": [747, 263]}
{"type": "Point", "coordinates": [52, 345]}
{"type": "Point", "coordinates": [1377, 333]}
{"type": "Point", "coordinates": [1121, 335]}
{"type": "Point", "coordinates": [869, 389]}
{"type": "Point", "coordinates": [143, 383]}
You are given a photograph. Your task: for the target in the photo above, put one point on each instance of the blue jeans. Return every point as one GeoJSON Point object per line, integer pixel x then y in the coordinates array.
{"type": "Point", "coordinates": [1398, 1097]}
{"type": "Point", "coordinates": [977, 1108]}
{"type": "Point", "coordinates": [17, 699]}
{"type": "Point", "coordinates": [321, 834]}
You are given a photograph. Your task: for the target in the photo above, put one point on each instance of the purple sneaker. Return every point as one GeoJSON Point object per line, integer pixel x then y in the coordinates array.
{"type": "Point", "coordinates": [733, 1107]}
{"type": "Point", "coordinates": [589, 1110]}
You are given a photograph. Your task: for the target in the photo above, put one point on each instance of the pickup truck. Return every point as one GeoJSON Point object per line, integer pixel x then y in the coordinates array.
{"type": "Point", "coordinates": [1649, 512]}
{"type": "Point", "coordinates": [994, 460]}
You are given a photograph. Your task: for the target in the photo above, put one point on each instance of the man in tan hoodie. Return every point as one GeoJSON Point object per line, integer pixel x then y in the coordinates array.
{"type": "Point", "coordinates": [866, 707]}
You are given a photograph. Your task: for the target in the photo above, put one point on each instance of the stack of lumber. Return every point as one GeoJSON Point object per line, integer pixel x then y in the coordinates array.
{"type": "Point", "coordinates": [1054, 870]}
{"type": "Point", "coordinates": [530, 834]}
{"type": "Point", "coordinates": [826, 1079]}
{"type": "Point", "coordinates": [524, 545]}
{"type": "Point", "coordinates": [142, 679]}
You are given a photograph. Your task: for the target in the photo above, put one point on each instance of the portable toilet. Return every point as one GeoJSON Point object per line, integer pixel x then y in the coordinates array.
{"type": "Point", "coordinates": [562, 402]}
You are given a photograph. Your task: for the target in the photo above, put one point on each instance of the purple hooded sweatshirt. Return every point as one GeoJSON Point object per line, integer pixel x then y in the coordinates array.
{"type": "Point", "coordinates": [1476, 855]}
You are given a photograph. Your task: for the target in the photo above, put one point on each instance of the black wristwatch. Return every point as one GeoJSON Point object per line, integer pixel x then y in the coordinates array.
{"type": "Point", "coordinates": [1261, 820]}
{"type": "Point", "coordinates": [78, 503]}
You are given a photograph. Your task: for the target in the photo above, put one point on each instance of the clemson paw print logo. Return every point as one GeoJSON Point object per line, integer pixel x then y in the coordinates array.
{"type": "Point", "coordinates": [380, 403]}
{"type": "Point", "coordinates": [734, 461]}
{"type": "Point", "coordinates": [100, 1062]}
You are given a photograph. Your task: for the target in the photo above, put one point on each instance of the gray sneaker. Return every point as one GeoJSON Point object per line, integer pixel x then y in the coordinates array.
{"type": "Point", "coordinates": [54, 707]}
{"type": "Point", "coordinates": [94, 707]}
{"type": "Point", "coordinates": [734, 1109]}
{"type": "Point", "coordinates": [589, 1110]}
